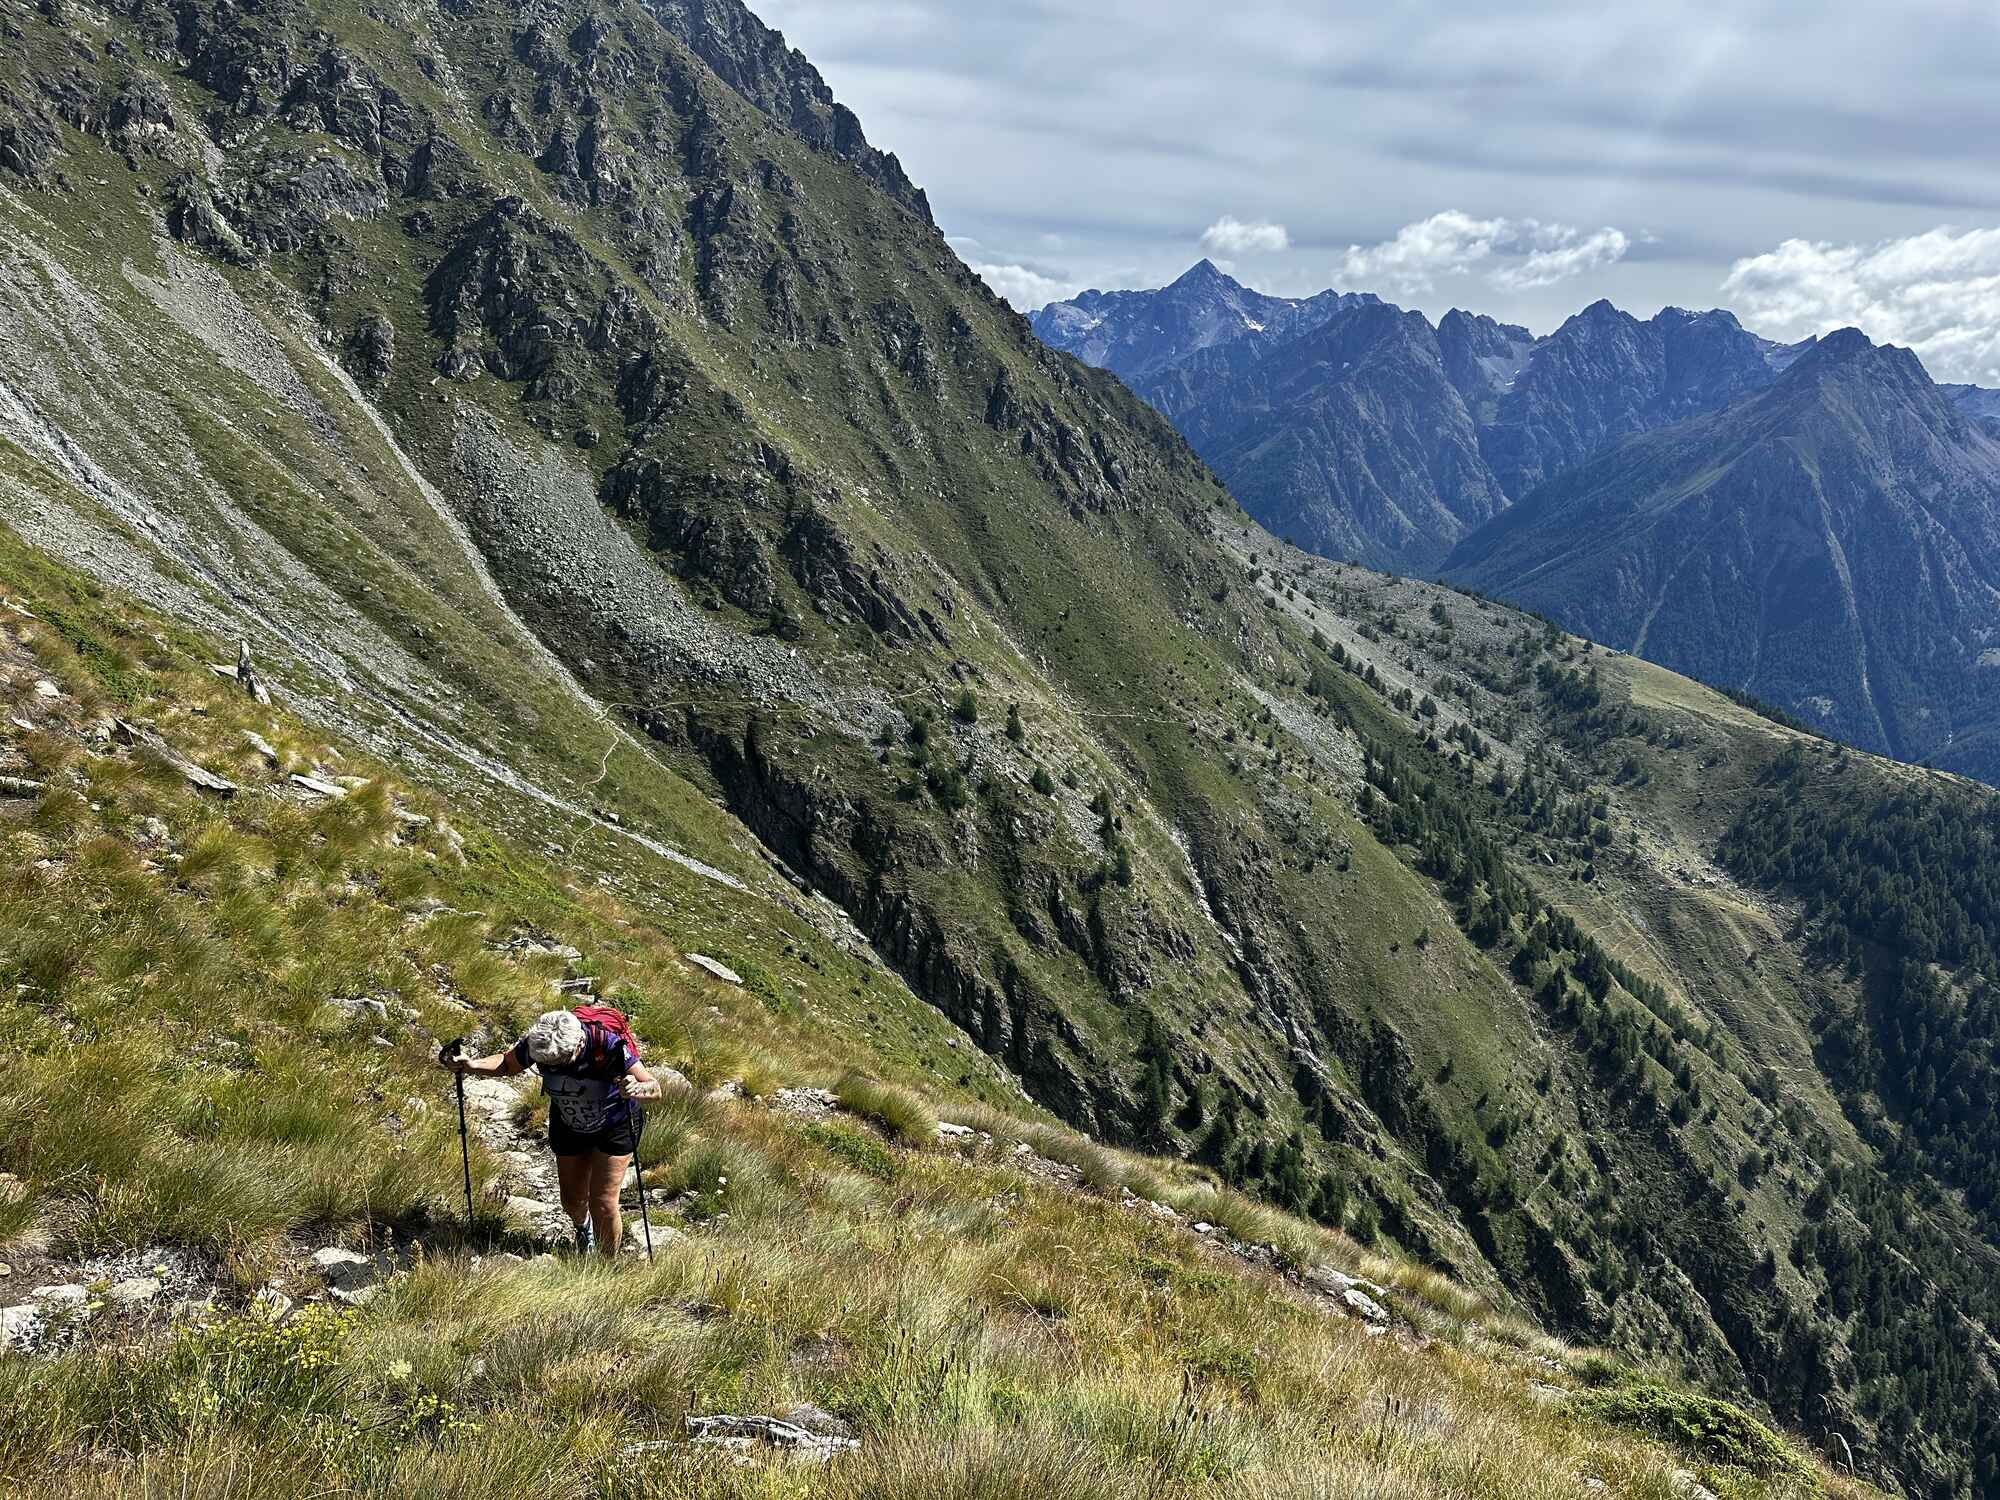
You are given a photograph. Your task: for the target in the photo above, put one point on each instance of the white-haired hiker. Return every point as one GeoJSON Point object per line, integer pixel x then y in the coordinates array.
{"type": "Point", "coordinates": [594, 1082]}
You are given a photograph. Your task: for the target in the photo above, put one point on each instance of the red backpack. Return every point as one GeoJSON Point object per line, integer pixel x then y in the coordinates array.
{"type": "Point", "coordinates": [602, 1023]}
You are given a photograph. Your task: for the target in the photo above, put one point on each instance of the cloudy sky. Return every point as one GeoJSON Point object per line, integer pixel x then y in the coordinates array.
{"type": "Point", "coordinates": [1808, 164]}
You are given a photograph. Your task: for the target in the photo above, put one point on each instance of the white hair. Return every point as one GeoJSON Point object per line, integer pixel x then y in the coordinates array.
{"type": "Point", "coordinates": [556, 1040]}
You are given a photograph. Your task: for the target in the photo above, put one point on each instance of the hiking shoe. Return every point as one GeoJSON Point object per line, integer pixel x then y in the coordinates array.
{"type": "Point", "coordinates": [585, 1238]}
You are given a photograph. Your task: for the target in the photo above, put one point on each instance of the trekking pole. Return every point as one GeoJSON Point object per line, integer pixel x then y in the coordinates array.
{"type": "Point", "coordinates": [638, 1140]}
{"type": "Point", "coordinates": [450, 1050]}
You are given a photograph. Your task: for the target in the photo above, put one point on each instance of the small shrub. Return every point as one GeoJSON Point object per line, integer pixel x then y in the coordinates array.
{"type": "Point", "coordinates": [1700, 1426]}
{"type": "Point", "coordinates": [850, 1147]}
{"type": "Point", "coordinates": [966, 709]}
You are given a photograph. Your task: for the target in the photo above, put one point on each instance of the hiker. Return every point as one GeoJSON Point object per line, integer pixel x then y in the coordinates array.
{"type": "Point", "coordinates": [595, 1082]}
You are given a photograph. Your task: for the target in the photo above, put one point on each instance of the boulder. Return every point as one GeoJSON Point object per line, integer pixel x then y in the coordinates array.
{"type": "Point", "coordinates": [345, 1270]}
{"type": "Point", "coordinates": [743, 1433]}
{"type": "Point", "coordinates": [68, 1295]}
{"type": "Point", "coordinates": [1364, 1306]}
{"type": "Point", "coordinates": [1336, 1284]}
{"type": "Point", "coordinates": [817, 1419]}
{"type": "Point", "coordinates": [136, 1291]}
{"type": "Point", "coordinates": [20, 1326]}
{"type": "Point", "coordinates": [663, 1234]}
{"type": "Point", "coordinates": [360, 1005]}
{"type": "Point", "coordinates": [543, 1221]}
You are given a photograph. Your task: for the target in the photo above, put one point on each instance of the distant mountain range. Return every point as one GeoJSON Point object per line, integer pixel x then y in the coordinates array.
{"type": "Point", "coordinates": [1813, 523]}
{"type": "Point", "coordinates": [1831, 542]}
{"type": "Point", "coordinates": [1135, 334]}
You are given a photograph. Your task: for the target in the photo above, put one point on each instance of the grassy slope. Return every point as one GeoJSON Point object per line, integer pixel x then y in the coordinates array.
{"type": "Point", "coordinates": [179, 1083]}
{"type": "Point", "coordinates": [1143, 662]}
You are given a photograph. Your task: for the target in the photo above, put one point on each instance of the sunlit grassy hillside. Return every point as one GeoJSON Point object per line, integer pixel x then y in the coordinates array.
{"type": "Point", "coordinates": [1010, 1311]}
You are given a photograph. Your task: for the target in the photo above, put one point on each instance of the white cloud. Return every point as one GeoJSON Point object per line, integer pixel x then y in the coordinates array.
{"type": "Point", "coordinates": [1938, 292]}
{"type": "Point", "coordinates": [1024, 288]}
{"type": "Point", "coordinates": [1523, 253]}
{"type": "Point", "coordinates": [1560, 262]}
{"type": "Point", "coordinates": [1231, 236]}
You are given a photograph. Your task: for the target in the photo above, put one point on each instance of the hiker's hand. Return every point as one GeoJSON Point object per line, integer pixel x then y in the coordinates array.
{"type": "Point", "coordinates": [642, 1092]}
{"type": "Point", "coordinates": [458, 1062]}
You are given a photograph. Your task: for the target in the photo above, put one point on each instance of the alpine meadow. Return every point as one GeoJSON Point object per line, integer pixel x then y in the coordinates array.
{"type": "Point", "coordinates": [512, 508]}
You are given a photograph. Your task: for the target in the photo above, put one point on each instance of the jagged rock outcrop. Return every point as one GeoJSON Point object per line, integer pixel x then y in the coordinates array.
{"type": "Point", "coordinates": [754, 60]}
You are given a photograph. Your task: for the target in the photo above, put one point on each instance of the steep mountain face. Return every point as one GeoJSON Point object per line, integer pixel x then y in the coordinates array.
{"type": "Point", "coordinates": [1484, 358]}
{"type": "Point", "coordinates": [1831, 545]}
{"type": "Point", "coordinates": [583, 429]}
{"type": "Point", "coordinates": [1604, 374]}
{"type": "Point", "coordinates": [1349, 439]}
{"type": "Point", "coordinates": [1135, 334]}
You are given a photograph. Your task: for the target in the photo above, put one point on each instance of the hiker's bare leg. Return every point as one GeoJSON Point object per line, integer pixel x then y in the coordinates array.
{"type": "Point", "coordinates": [607, 1176]}
{"type": "Point", "coordinates": [573, 1176]}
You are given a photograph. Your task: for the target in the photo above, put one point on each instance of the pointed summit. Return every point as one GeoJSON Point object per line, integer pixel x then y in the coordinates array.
{"type": "Point", "coordinates": [1879, 374]}
{"type": "Point", "coordinates": [1204, 273]}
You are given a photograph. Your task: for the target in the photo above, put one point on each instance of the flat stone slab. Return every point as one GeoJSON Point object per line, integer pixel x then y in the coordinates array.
{"type": "Point", "coordinates": [721, 971]}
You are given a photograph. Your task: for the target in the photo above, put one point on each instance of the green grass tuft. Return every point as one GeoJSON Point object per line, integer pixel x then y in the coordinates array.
{"type": "Point", "coordinates": [902, 1114]}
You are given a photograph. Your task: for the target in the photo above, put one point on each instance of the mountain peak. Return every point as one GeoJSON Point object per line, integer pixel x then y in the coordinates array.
{"type": "Point", "coordinates": [1842, 344]}
{"type": "Point", "coordinates": [1848, 357]}
{"type": "Point", "coordinates": [1720, 317]}
{"type": "Point", "coordinates": [1203, 272]}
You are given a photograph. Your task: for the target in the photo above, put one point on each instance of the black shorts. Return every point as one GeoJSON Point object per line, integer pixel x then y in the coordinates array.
{"type": "Point", "coordinates": [621, 1139]}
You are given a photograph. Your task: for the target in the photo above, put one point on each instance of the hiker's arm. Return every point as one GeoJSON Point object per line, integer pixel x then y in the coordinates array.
{"type": "Point", "coordinates": [499, 1065]}
{"type": "Point", "coordinates": [641, 1085]}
